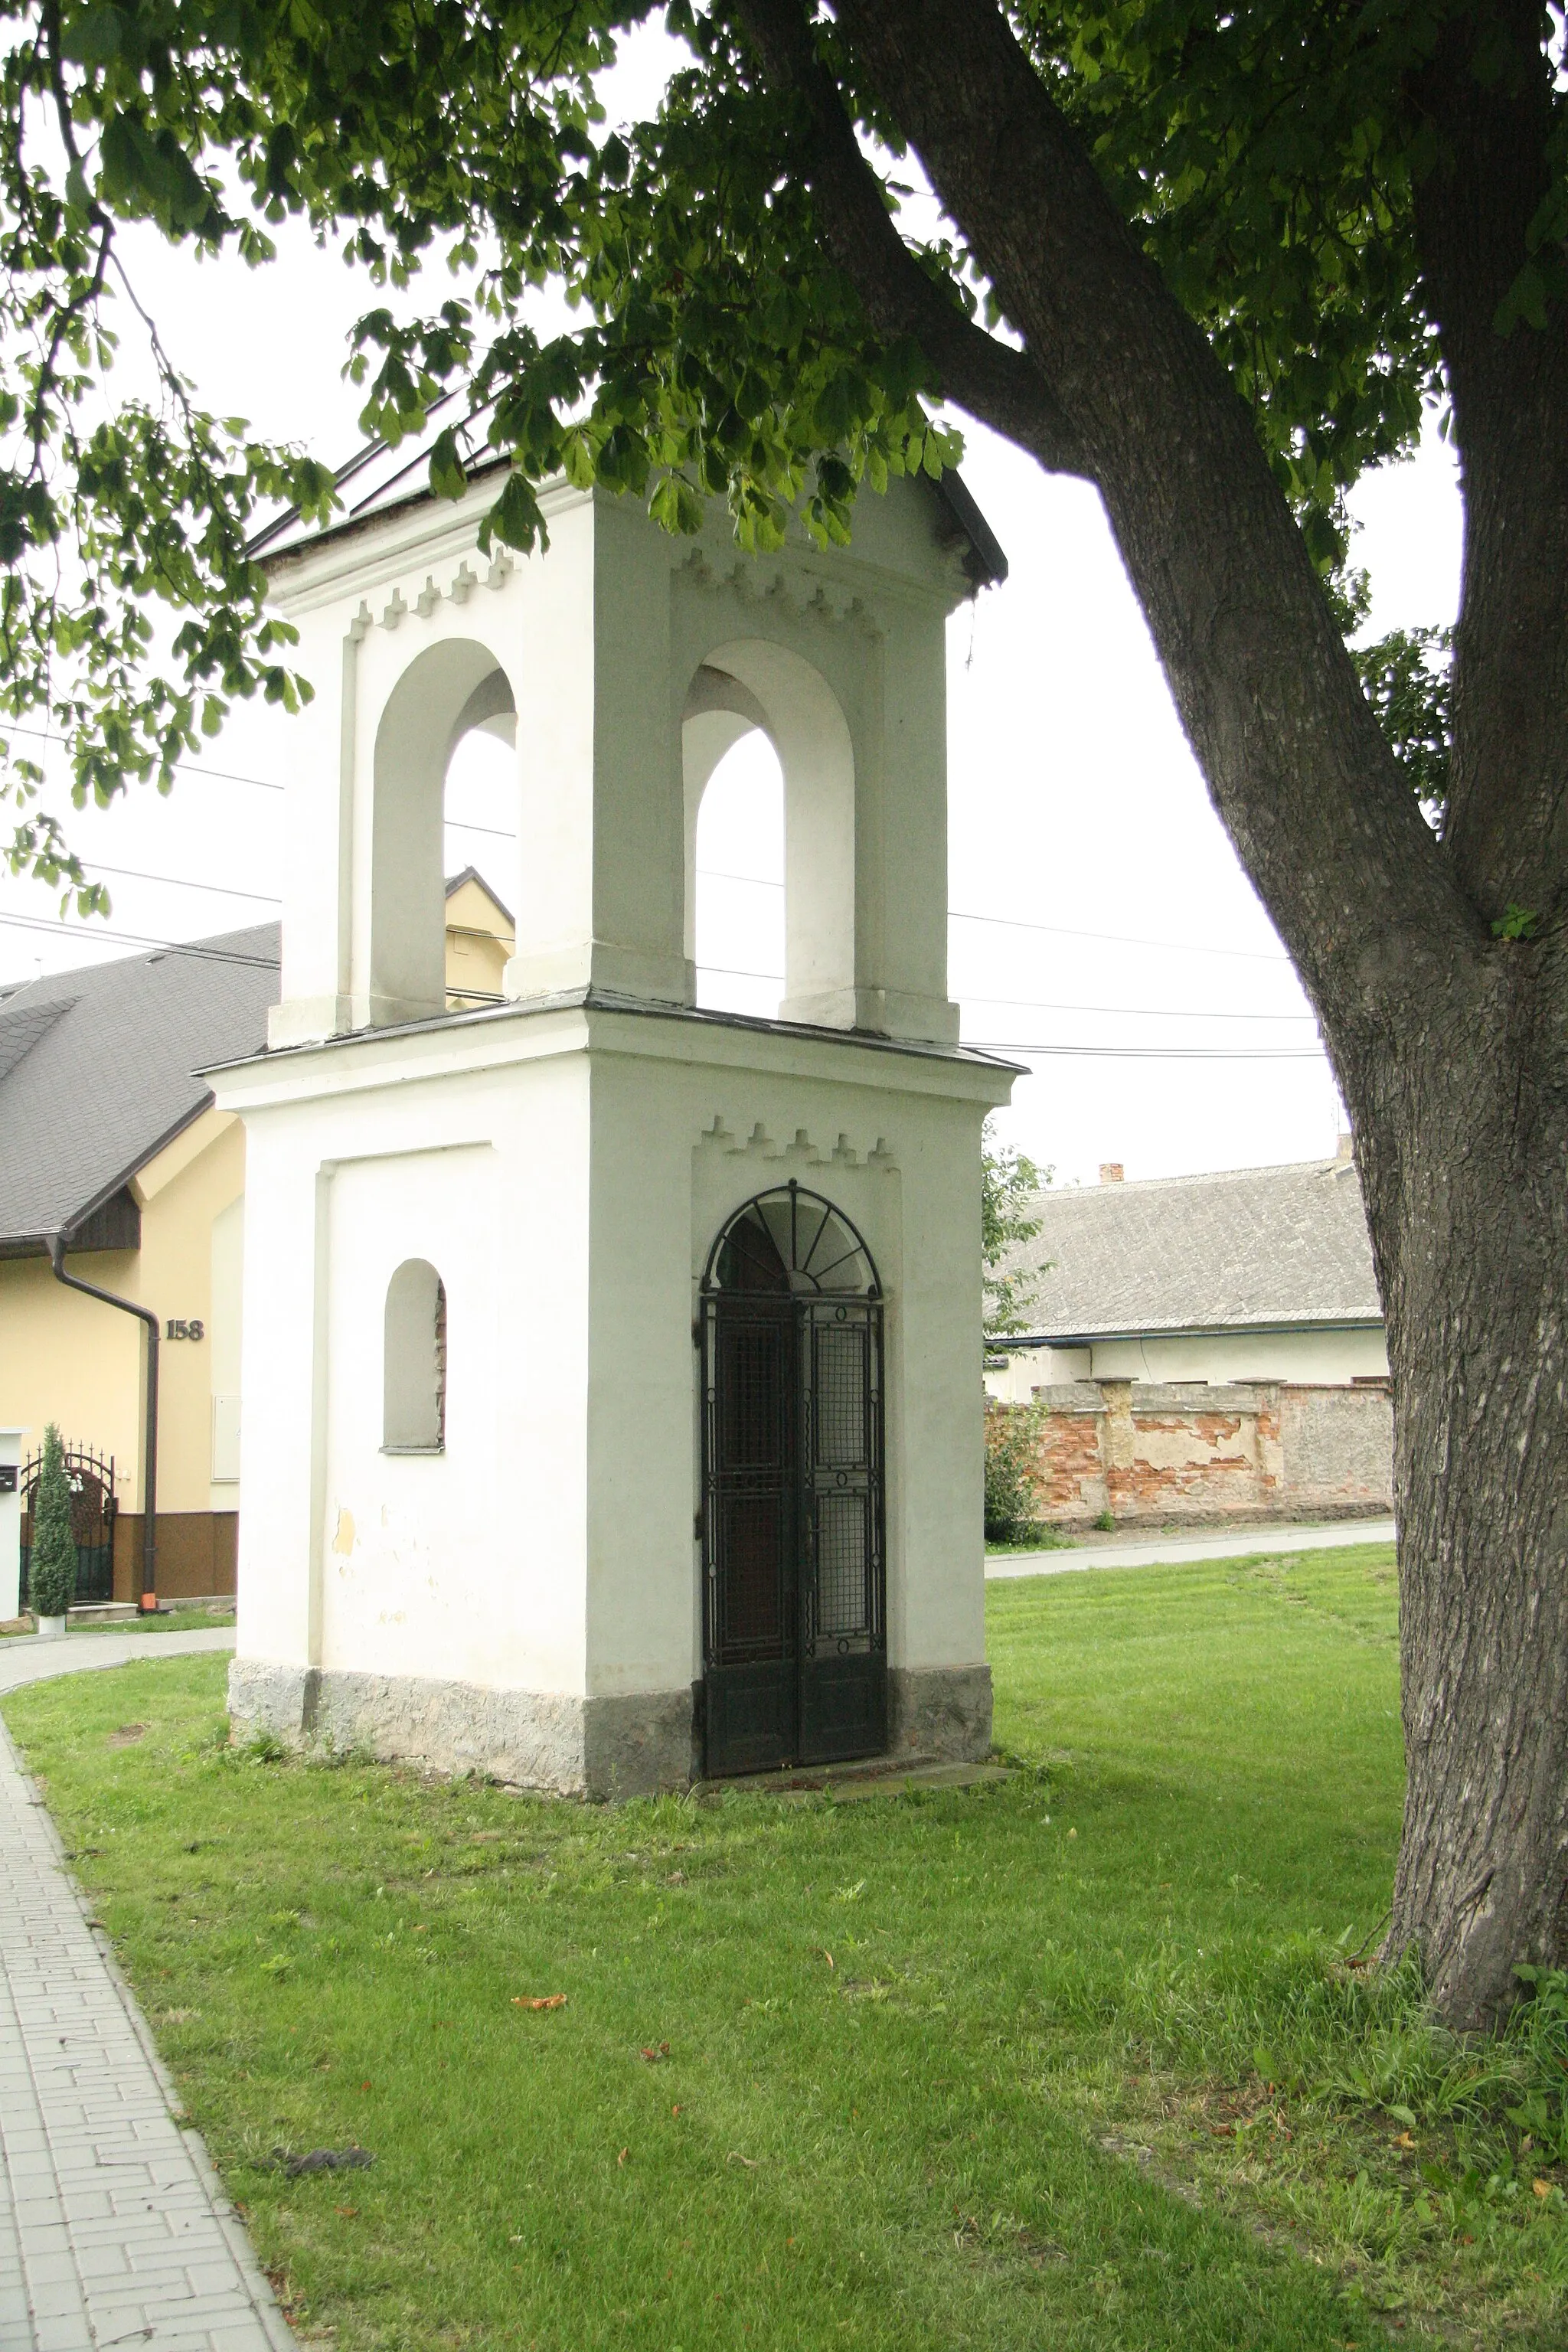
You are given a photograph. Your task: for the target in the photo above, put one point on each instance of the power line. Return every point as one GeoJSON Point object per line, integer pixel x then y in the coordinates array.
{"type": "Point", "coordinates": [463, 824]}
{"type": "Point", "coordinates": [762, 882]}
{"type": "Point", "coordinates": [1150, 1052]}
{"type": "Point", "coordinates": [1091, 1053]}
{"type": "Point", "coordinates": [1056, 931]}
{"type": "Point", "coordinates": [136, 939]}
{"type": "Point", "coordinates": [231, 776]}
{"type": "Point", "coordinates": [181, 882]}
{"type": "Point", "coordinates": [1143, 1011]}
{"type": "Point", "coordinates": [1115, 939]}
{"type": "Point", "coordinates": [1034, 1004]}
{"type": "Point", "coordinates": [186, 768]}
{"type": "Point", "coordinates": [984, 1044]}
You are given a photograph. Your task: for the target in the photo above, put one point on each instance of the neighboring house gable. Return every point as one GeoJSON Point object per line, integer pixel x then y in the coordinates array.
{"type": "Point", "coordinates": [99, 1071]}
{"type": "Point", "coordinates": [480, 937]}
{"type": "Point", "coordinates": [110, 1138]}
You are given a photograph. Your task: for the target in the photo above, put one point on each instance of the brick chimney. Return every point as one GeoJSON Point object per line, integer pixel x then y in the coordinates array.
{"type": "Point", "coordinates": [1112, 1171]}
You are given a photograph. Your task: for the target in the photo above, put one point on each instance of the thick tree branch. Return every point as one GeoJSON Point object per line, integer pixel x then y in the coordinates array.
{"type": "Point", "coordinates": [987, 377]}
{"type": "Point", "coordinates": [1319, 808]}
{"type": "Point", "coordinates": [1507, 830]}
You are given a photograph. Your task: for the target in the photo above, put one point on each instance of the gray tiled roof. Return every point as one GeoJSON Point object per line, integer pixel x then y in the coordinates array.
{"type": "Point", "coordinates": [98, 1067]}
{"type": "Point", "coordinates": [1244, 1249]}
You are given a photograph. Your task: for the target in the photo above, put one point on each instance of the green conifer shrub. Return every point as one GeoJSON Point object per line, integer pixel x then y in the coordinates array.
{"type": "Point", "coordinates": [51, 1575]}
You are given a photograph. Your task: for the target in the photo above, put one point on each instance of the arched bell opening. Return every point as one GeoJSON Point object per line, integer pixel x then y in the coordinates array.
{"type": "Point", "coordinates": [793, 1518]}
{"type": "Point", "coordinates": [802, 788]}
{"type": "Point", "coordinates": [444, 778]}
{"type": "Point", "coordinates": [479, 808]}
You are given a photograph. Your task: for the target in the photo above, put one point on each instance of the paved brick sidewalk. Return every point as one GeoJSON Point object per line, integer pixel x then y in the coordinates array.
{"type": "Point", "coordinates": [113, 2229]}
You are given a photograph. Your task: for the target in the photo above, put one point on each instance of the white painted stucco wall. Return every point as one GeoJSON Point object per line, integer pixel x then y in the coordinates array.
{"type": "Point", "coordinates": [567, 1173]}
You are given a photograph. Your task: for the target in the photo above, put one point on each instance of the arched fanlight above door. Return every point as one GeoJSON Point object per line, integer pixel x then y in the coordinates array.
{"type": "Point", "coordinates": [791, 1242]}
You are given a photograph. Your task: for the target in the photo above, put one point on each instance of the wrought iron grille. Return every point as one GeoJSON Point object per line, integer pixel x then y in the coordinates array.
{"type": "Point", "coordinates": [793, 1516]}
{"type": "Point", "coordinates": [843, 1592]}
{"type": "Point", "coordinates": [93, 1512]}
{"type": "Point", "coordinates": [749, 1502]}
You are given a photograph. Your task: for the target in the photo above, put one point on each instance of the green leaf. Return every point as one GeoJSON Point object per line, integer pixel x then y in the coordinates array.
{"type": "Point", "coordinates": [93, 36]}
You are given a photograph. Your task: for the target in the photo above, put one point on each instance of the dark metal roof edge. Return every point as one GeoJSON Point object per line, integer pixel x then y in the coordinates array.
{"type": "Point", "coordinates": [1016, 1341]}
{"type": "Point", "coordinates": [105, 1192]}
{"type": "Point", "coordinates": [990, 566]}
{"type": "Point", "coordinates": [584, 999]}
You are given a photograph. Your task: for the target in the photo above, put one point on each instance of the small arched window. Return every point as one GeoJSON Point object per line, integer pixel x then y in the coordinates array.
{"type": "Point", "coordinates": [414, 1376]}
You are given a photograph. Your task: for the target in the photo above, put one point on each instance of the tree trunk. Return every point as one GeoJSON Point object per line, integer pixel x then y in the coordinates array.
{"type": "Point", "coordinates": [1450, 1043]}
{"type": "Point", "coordinates": [1462, 1145]}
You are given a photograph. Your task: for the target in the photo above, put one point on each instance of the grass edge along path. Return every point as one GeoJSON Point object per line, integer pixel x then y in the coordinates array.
{"type": "Point", "coordinates": [1065, 2060]}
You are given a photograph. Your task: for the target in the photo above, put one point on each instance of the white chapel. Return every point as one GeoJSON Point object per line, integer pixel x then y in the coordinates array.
{"type": "Point", "coordinates": [611, 1369]}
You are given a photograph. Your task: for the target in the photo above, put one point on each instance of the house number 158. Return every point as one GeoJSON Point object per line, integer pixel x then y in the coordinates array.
{"type": "Point", "coordinates": [173, 1330]}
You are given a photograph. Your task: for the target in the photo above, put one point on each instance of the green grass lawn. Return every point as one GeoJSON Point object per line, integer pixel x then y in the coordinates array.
{"type": "Point", "coordinates": [1072, 2060]}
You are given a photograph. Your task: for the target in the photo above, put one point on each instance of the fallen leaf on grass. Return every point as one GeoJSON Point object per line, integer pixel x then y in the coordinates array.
{"type": "Point", "coordinates": [623, 2155]}
{"type": "Point", "coordinates": [751, 2162]}
{"type": "Point", "coordinates": [349, 2213]}
{"type": "Point", "coordinates": [539, 2001]}
{"type": "Point", "coordinates": [1405, 2140]}
{"type": "Point", "coordinates": [827, 1956]}
{"type": "Point", "coordinates": [653, 2056]}
{"type": "Point", "coordinates": [1542, 2188]}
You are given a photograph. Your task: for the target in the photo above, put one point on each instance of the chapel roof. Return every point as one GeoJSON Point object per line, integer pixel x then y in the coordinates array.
{"type": "Point", "coordinates": [377, 479]}
{"type": "Point", "coordinates": [1237, 1249]}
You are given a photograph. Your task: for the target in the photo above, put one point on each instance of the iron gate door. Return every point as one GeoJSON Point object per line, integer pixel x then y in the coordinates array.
{"type": "Point", "coordinates": [791, 1517]}
{"type": "Point", "coordinates": [843, 1644]}
{"type": "Point", "coordinates": [751, 1533]}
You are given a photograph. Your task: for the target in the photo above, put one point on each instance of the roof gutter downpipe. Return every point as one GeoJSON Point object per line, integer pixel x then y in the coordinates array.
{"type": "Point", "coordinates": [149, 1601]}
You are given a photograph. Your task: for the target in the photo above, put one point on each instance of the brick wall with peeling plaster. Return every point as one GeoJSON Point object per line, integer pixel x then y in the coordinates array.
{"type": "Point", "coordinates": [1163, 1450]}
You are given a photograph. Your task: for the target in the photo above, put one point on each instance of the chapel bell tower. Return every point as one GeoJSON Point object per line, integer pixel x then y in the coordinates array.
{"type": "Point", "coordinates": [611, 1398]}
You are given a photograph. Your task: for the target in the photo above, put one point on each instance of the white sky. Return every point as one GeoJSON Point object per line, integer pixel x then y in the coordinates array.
{"type": "Point", "coordinates": [1075, 804]}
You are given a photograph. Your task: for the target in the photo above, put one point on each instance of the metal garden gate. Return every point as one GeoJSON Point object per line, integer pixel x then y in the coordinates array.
{"type": "Point", "coordinates": [93, 1511]}
{"type": "Point", "coordinates": [791, 1522]}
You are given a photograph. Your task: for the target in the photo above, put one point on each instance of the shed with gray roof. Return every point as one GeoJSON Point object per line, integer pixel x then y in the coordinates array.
{"type": "Point", "coordinates": [1239, 1274]}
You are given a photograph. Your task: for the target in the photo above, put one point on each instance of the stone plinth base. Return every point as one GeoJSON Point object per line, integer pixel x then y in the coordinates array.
{"type": "Point", "coordinates": [604, 1748]}
{"type": "Point", "coordinates": [631, 1746]}
{"type": "Point", "coordinates": [939, 1712]}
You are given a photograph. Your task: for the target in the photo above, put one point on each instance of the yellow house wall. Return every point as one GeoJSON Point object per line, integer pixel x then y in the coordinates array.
{"type": "Point", "coordinates": [478, 942]}
{"type": "Point", "coordinates": [69, 1359]}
